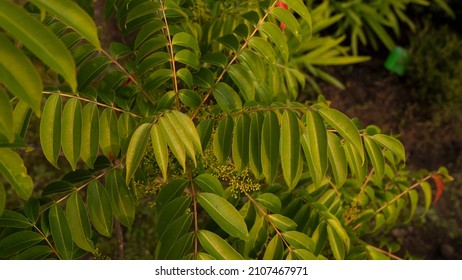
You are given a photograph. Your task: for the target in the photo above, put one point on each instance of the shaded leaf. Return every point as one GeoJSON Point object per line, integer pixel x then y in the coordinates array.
{"type": "Point", "coordinates": [275, 34]}
{"type": "Point", "coordinates": [79, 223]}
{"type": "Point", "coordinates": [270, 201]}
{"type": "Point", "coordinates": [172, 210]}
{"type": "Point", "coordinates": [122, 201]}
{"type": "Point", "coordinates": [256, 125]}
{"type": "Point", "coordinates": [257, 238]}
{"type": "Point", "coordinates": [244, 82]}
{"type": "Point", "coordinates": [99, 208]}
{"type": "Point", "coordinates": [289, 20]}
{"type": "Point", "coordinates": [170, 191]}
{"type": "Point", "coordinates": [61, 232]}
{"type": "Point", "coordinates": [71, 131]}
{"type": "Point", "coordinates": [241, 138]}
{"type": "Point", "coordinates": [227, 98]}
{"type": "Point", "coordinates": [2, 199]}
{"type": "Point", "coordinates": [17, 242]}
{"type": "Point", "coordinates": [270, 146]}
{"type": "Point", "coordinates": [204, 130]}
{"type": "Point", "coordinates": [38, 252]}
{"type": "Point", "coordinates": [290, 148]}
{"type": "Point", "coordinates": [12, 167]}
{"type": "Point", "coordinates": [222, 139]}
{"type": "Point", "coordinates": [210, 184]}
{"type": "Point", "coordinates": [14, 220]}
{"type": "Point", "coordinates": [186, 40]}
{"type": "Point", "coordinates": [336, 244]}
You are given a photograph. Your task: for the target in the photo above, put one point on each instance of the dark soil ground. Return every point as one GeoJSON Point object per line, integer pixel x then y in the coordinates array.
{"type": "Point", "coordinates": [432, 138]}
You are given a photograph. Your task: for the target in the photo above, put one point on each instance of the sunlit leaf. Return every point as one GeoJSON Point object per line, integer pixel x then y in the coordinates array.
{"type": "Point", "coordinates": [90, 134]}
{"type": "Point", "coordinates": [217, 247]}
{"type": "Point", "coordinates": [50, 129]}
{"type": "Point", "coordinates": [290, 148]}
{"type": "Point", "coordinates": [136, 149]}
{"type": "Point", "coordinates": [13, 169]}
{"type": "Point", "coordinates": [270, 146]}
{"type": "Point", "coordinates": [209, 183]}
{"type": "Point", "coordinates": [71, 131]}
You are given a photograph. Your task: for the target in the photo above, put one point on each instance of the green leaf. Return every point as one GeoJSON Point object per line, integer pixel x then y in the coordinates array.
{"type": "Point", "coordinates": [185, 75]}
{"type": "Point", "coordinates": [71, 131]}
{"type": "Point", "coordinates": [224, 214]}
{"type": "Point", "coordinates": [160, 149]}
{"type": "Point", "coordinates": [275, 34]}
{"type": "Point", "coordinates": [337, 159]}
{"type": "Point", "coordinates": [257, 238]}
{"type": "Point", "coordinates": [427, 191]}
{"type": "Point", "coordinates": [414, 199]}
{"type": "Point", "coordinates": [61, 232]}
{"type": "Point", "coordinates": [243, 80]}
{"type": "Point", "coordinates": [190, 98]}
{"type": "Point", "coordinates": [217, 247]}
{"type": "Point", "coordinates": [204, 130]}
{"type": "Point", "coordinates": [392, 144]}
{"type": "Point", "coordinates": [2, 199]}
{"type": "Point", "coordinates": [186, 125]}
{"type": "Point", "coordinates": [90, 134]}
{"type": "Point", "coordinates": [58, 187]}
{"type": "Point", "coordinates": [18, 242]}
{"type": "Point", "coordinates": [12, 167]}
{"type": "Point", "coordinates": [263, 47]}
{"type": "Point", "coordinates": [299, 240]}
{"type": "Point", "coordinates": [122, 201]}
{"type": "Point", "coordinates": [174, 141]}
{"type": "Point", "coordinates": [270, 201]}
{"type": "Point", "coordinates": [109, 134]}
{"type": "Point", "coordinates": [79, 223]}
{"type": "Point", "coordinates": [344, 126]}
{"type": "Point", "coordinates": [230, 41]}
{"type": "Point", "coordinates": [217, 59]}
{"type": "Point", "coordinates": [186, 40]}
{"type": "Point", "coordinates": [50, 129]}
{"type": "Point", "coordinates": [72, 15]}
{"type": "Point", "coordinates": [281, 222]}
{"type": "Point", "coordinates": [181, 246]}
{"type": "Point", "coordinates": [270, 146]}
{"type": "Point", "coordinates": [256, 125]}
{"type": "Point", "coordinates": [375, 156]}
{"type": "Point", "coordinates": [303, 254]}
{"type": "Point", "coordinates": [6, 116]}
{"type": "Point", "coordinates": [227, 98]}
{"type": "Point", "coordinates": [275, 249]}
{"type": "Point", "coordinates": [172, 233]}
{"type": "Point", "coordinates": [188, 58]}
{"type": "Point", "coordinates": [91, 70]}
{"type": "Point", "coordinates": [148, 29]}
{"type": "Point", "coordinates": [99, 208]}
{"type": "Point", "coordinates": [137, 149]}
{"type": "Point", "coordinates": [222, 139]}
{"type": "Point", "coordinates": [240, 146]}
{"type": "Point", "coordinates": [174, 209]}
{"type": "Point", "coordinates": [38, 39]}
{"type": "Point", "coordinates": [336, 243]}
{"type": "Point", "coordinates": [300, 8]}
{"type": "Point", "coordinates": [31, 209]}
{"type": "Point", "coordinates": [157, 79]}
{"type": "Point", "coordinates": [210, 184]}
{"type": "Point", "coordinates": [38, 252]}
{"type": "Point", "coordinates": [290, 148]}
{"type": "Point", "coordinates": [14, 220]}
{"type": "Point", "coordinates": [335, 224]}
{"type": "Point", "coordinates": [357, 165]}
{"type": "Point", "coordinates": [170, 191]}
{"type": "Point", "coordinates": [289, 20]}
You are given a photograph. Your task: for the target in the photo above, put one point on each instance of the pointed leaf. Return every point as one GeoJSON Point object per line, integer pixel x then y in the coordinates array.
{"type": "Point", "coordinates": [336, 244]}
{"type": "Point", "coordinates": [241, 138]}
{"type": "Point", "coordinates": [375, 156]}
{"type": "Point", "coordinates": [188, 58]}
{"type": "Point", "coordinates": [217, 59]}
{"type": "Point", "coordinates": [204, 130]}
{"type": "Point", "coordinates": [160, 149]}
{"type": "Point", "coordinates": [263, 47]}
{"type": "Point", "coordinates": [122, 202]}
{"type": "Point", "coordinates": [91, 70]}
{"type": "Point", "coordinates": [357, 165]}
{"type": "Point", "coordinates": [270, 146]}
{"type": "Point", "coordinates": [227, 98]}
{"type": "Point", "coordinates": [71, 131]}
{"type": "Point", "coordinates": [257, 238]}
{"type": "Point", "coordinates": [19, 76]}
{"type": "Point", "coordinates": [427, 191]}
{"type": "Point", "coordinates": [90, 134]}
{"type": "Point", "coordinates": [109, 134]}
{"type": "Point", "coordinates": [222, 139]}
{"type": "Point", "coordinates": [392, 144]}
{"type": "Point", "coordinates": [38, 252]}
{"type": "Point", "coordinates": [79, 223]}
{"type": "Point", "coordinates": [270, 201]}
{"type": "Point", "coordinates": [281, 222]}
{"type": "Point", "coordinates": [244, 82]}
{"type": "Point", "coordinates": [50, 129]}
{"type": "Point", "coordinates": [275, 34]}
{"type": "Point", "coordinates": [184, 123]}
{"type": "Point", "coordinates": [300, 8]}
{"type": "Point", "coordinates": [61, 232]}
{"type": "Point", "coordinates": [174, 209]}
{"type": "Point", "coordinates": [289, 20]}
{"type": "Point", "coordinates": [181, 246]}
{"type": "Point", "coordinates": [190, 98]}
{"type": "Point", "coordinates": [14, 220]}
{"type": "Point", "coordinates": [38, 39]}
{"type": "Point", "coordinates": [290, 148]}
{"type": "Point", "coordinates": [344, 126]}
{"type": "Point", "coordinates": [414, 199]}
{"type": "Point", "coordinates": [12, 167]}
{"type": "Point", "coordinates": [275, 249]}
{"type": "Point", "coordinates": [256, 125]}
{"type": "Point", "coordinates": [170, 191]}
{"type": "Point", "coordinates": [299, 240]}
{"type": "Point", "coordinates": [335, 224]}
{"type": "Point", "coordinates": [137, 149]}
{"type": "Point", "coordinates": [174, 141]}
{"type": "Point", "coordinates": [224, 214]}
{"type": "Point", "coordinates": [99, 208]}
{"type": "Point", "coordinates": [186, 40]}
{"type": "Point", "coordinates": [217, 247]}
{"type": "Point", "coordinates": [210, 184]}
{"type": "Point", "coordinates": [17, 242]}
{"type": "Point", "coordinates": [337, 159]}
{"type": "Point", "coordinates": [172, 233]}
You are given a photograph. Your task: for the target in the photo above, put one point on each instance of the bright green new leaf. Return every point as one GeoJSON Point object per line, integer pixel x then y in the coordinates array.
{"type": "Point", "coordinates": [243, 81]}
{"type": "Point", "coordinates": [136, 149]}
{"type": "Point", "coordinates": [222, 139]}
{"type": "Point", "coordinates": [256, 125]}
{"type": "Point", "coordinates": [90, 134]}
{"type": "Point", "coordinates": [210, 184]}
{"type": "Point", "coordinates": [61, 232]}
{"type": "Point", "coordinates": [39, 40]}
{"type": "Point", "coordinates": [71, 14]}
{"type": "Point", "coordinates": [336, 243]}
{"type": "Point", "coordinates": [99, 208]}
{"type": "Point", "coordinates": [18, 74]}
{"type": "Point", "coordinates": [337, 159]}
{"type": "Point", "coordinates": [224, 214]}
{"type": "Point", "coordinates": [289, 20]}
{"type": "Point", "coordinates": [173, 140]}
{"type": "Point", "coordinates": [217, 247]}
{"type": "Point", "coordinates": [357, 165]}
{"type": "Point", "coordinates": [79, 222]}
{"type": "Point", "coordinates": [227, 98]}
{"type": "Point", "coordinates": [71, 131]}
{"type": "Point", "coordinates": [344, 126]}
{"type": "Point", "coordinates": [159, 145]}
{"type": "Point", "coordinates": [122, 202]}
{"type": "Point", "coordinates": [300, 8]}
{"type": "Point", "coordinates": [185, 124]}
{"type": "Point", "coordinates": [270, 146]}
{"type": "Point", "coordinates": [186, 40]}
{"type": "Point", "coordinates": [392, 144]}
{"type": "Point", "coordinates": [240, 146]}
{"type": "Point", "coordinates": [275, 249]}
{"type": "Point", "coordinates": [50, 129]}
{"type": "Point", "coordinates": [17, 242]}
{"type": "Point", "coordinates": [414, 199]}
{"type": "Point", "coordinates": [282, 222]}
{"type": "Point", "coordinates": [109, 134]}
{"type": "Point", "coordinates": [290, 148]}
{"type": "Point", "coordinates": [375, 156]}
{"type": "Point", "coordinates": [275, 34]}
{"type": "Point", "coordinates": [6, 115]}
{"type": "Point", "coordinates": [12, 167]}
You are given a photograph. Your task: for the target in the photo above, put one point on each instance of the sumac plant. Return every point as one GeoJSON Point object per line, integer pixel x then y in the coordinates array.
{"type": "Point", "coordinates": [194, 112]}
